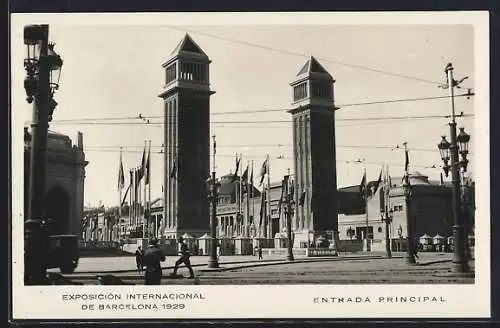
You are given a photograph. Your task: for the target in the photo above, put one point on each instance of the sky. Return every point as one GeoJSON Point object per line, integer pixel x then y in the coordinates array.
{"type": "Point", "coordinates": [114, 71]}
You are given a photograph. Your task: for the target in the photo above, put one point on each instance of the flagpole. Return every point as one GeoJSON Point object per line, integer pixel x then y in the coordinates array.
{"type": "Point", "coordinates": [149, 187]}
{"type": "Point", "coordinates": [268, 209]}
{"type": "Point", "coordinates": [238, 199]}
{"type": "Point", "coordinates": [130, 202]}
{"type": "Point", "coordinates": [132, 198]}
{"type": "Point", "coordinates": [120, 188]}
{"type": "Point", "coordinates": [366, 206]}
{"type": "Point", "coordinates": [253, 200]}
{"type": "Point", "coordinates": [240, 210]}
{"type": "Point", "coordinates": [246, 225]}
{"type": "Point", "coordinates": [144, 221]}
{"type": "Point", "coordinates": [137, 197]}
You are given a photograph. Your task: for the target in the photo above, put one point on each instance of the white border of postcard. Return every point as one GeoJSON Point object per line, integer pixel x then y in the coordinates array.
{"type": "Point", "coordinates": [294, 301]}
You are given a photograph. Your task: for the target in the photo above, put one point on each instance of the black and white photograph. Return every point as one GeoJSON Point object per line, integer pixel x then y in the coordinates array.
{"type": "Point", "coordinates": [250, 165]}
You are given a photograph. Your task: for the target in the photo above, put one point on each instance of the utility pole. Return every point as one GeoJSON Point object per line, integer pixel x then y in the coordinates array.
{"type": "Point", "coordinates": [410, 256]}
{"type": "Point", "coordinates": [288, 214]}
{"type": "Point", "coordinates": [269, 221]}
{"type": "Point", "coordinates": [460, 262]}
{"type": "Point", "coordinates": [213, 261]}
{"type": "Point", "coordinates": [387, 214]}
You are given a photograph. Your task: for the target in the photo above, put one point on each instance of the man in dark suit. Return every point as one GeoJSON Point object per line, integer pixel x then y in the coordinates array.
{"type": "Point", "coordinates": [184, 258]}
{"type": "Point", "coordinates": [153, 256]}
{"type": "Point", "coordinates": [139, 259]}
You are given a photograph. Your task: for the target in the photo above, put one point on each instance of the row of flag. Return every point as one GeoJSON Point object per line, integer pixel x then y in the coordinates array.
{"type": "Point", "coordinates": [136, 174]}
{"type": "Point", "coordinates": [384, 173]}
{"type": "Point", "coordinates": [244, 177]}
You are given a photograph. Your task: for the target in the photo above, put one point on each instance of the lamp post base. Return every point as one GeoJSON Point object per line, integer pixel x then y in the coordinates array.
{"type": "Point", "coordinates": [213, 264]}
{"type": "Point", "coordinates": [410, 260]}
{"type": "Point", "coordinates": [289, 257]}
{"type": "Point", "coordinates": [460, 267]}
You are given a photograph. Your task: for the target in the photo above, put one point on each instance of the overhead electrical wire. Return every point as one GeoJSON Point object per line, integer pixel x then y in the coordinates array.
{"type": "Point", "coordinates": [141, 117]}
{"type": "Point", "coordinates": [287, 52]}
{"type": "Point", "coordinates": [280, 157]}
{"type": "Point", "coordinates": [386, 119]}
{"type": "Point", "coordinates": [253, 146]}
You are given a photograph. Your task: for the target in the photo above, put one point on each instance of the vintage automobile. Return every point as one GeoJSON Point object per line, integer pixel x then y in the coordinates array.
{"type": "Point", "coordinates": [63, 253]}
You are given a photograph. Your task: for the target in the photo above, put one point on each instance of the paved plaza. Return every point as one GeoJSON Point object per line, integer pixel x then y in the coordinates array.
{"type": "Point", "coordinates": [432, 268]}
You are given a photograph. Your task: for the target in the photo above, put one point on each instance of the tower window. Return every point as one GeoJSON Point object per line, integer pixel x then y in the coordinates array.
{"type": "Point", "coordinates": [193, 72]}
{"type": "Point", "coordinates": [171, 73]}
{"type": "Point", "coordinates": [321, 90]}
{"type": "Point", "coordinates": [300, 91]}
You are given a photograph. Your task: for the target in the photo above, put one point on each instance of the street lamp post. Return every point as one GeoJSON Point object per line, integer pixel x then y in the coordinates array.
{"type": "Point", "coordinates": [43, 67]}
{"type": "Point", "coordinates": [213, 185]}
{"type": "Point", "coordinates": [410, 256]}
{"type": "Point", "coordinates": [449, 150]}
{"type": "Point", "coordinates": [463, 145]}
{"type": "Point", "coordinates": [410, 252]}
{"type": "Point", "coordinates": [288, 214]}
{"type": "Point", "coordinates": [387, 219]}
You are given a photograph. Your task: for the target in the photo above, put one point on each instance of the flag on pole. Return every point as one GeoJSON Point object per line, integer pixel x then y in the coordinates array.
{"type": "Point", "coordinates": [362, 185]}
{"type": "Point", "coordinates": [125, 197]}
{"type": "Point", "coordinates": [148, 174]}
{"type": "Point", "coordinates": [262, 208]}
{"type": "Point", "coordinates": [140, 172]}
{"type": "Point", "coordinates": [407, 160]}
{"type": "Point", "coordinates": [131, 184]}
{"type": "Point", "coordinates": [244, 176]}
{"type": "Point", "coordinates": [263, 172]}
{"type": "Point", "coordinates": [251, 182]}
{"type": "Point", "coordinates": [379, 180]}
{"type": "Point", "coordinates": [235, 175]}
{"type": "Point", "coordinates": [121, 176]}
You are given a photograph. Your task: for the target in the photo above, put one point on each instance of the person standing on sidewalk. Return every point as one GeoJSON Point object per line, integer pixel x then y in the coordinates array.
{"type": "Point", "coordinates": [153, 256]}
{"type": "Point", "coordinates": [260, 252]}
{"type": "Point", "coordinates": [416, 249]}
{"type": "Point", "coordinates": [139, 259]}
{"type": "Point", "coordinates": [184, 258]}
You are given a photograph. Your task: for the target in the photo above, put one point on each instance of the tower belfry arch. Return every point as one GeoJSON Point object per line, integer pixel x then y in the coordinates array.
{"type": "Point", "coordinates": [186, 94]}
{"type": "Point", "coordinates": [313, 116]}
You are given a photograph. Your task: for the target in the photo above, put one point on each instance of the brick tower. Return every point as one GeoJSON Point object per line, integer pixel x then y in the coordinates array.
{"type": "Point", "coordinates": [314, 155]}
{"type": "Point", "coordinates": [186, 95]}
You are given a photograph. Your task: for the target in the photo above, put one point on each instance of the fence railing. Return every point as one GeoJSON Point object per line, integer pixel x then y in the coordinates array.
{"type": "Point", "coordinates": [98, 245]}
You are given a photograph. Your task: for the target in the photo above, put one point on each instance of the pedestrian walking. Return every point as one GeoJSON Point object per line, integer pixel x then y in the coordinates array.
{"type": "Point", "coordinates": [139, 259]}
{"type": "Point", "coordinates": [416, 249]}
{"type": "Point", "coordinates": [153, 256]}
{"type": "Point", "coordinates": [218, 252]}
{"type": "Point", "coordinates": [259, 250]}
{"type": "Point", "coordinates": [184, 258]}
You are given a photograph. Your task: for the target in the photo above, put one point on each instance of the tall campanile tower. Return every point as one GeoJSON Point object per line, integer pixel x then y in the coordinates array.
{"type": "Point", "coordinates": [314, 154]}
{"type": "Point", "coordinates": [186, 95]}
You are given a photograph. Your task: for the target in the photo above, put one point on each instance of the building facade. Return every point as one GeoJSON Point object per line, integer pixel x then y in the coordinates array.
{"type": "Point", "coordinates": [65, 182]}
{"type": "Point", "coordinates": [186, 94]}
{"type": "Point", "coordinates": [314, 153]}
{"type": "Point", "coordinates": [430, 210]}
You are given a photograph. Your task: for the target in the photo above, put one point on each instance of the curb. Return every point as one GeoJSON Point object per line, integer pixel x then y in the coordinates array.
{"type": "Point", "coordinates": [252, 265]}
{"type": "Point", "coordinates": [258, 264]}
{"type": "Point", "coordinates": [255, 262]}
